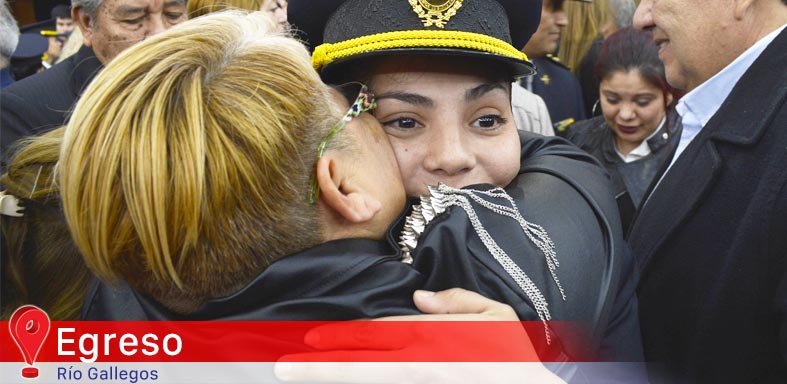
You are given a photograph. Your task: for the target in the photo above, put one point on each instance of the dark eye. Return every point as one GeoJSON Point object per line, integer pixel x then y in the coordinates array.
{"type": "Point", "coordinates": [489, 121]}
{"type": "Point", "coordinates": [612, 100]}
{"type": "Point", "coordinates": [401, 123]}
{"type": "Point", "coordinates": [644, 103]}
{"type": "Point", "coordinates": [174, 16]}
{"type": "Point", "coordinates": [136, 21]}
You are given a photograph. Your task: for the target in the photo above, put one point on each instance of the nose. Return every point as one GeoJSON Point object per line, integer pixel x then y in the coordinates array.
{"type": "Point", "coordinates": [643, 18]}
{"type": "Point", "coordinates": [281, 15]}
{"type": "Point", "coordinates": [627, 112]}
{"type": "Point", "coordinates": [156, 26]}
{"type": "Point", "coordinates": [448, 154]}
{"type": "Point", "coordinates": [561, 20]}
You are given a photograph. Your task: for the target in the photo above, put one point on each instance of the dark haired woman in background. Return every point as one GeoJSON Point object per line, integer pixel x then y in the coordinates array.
{"type": "Point", "coordinates": [633, 137]}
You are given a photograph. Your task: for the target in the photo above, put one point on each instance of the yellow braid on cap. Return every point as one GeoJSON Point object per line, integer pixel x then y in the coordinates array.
{"type": "Point", "coordinates": [326, 53]}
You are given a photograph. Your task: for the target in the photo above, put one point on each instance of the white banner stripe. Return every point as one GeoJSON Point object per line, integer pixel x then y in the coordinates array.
{"type": "Point", "coordinates": [199, 373]}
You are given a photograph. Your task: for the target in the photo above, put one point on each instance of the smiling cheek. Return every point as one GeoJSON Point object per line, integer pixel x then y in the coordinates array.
{"type": "Point", "coordinates": [651, 119]}
{"type": "Point", "coordinates": [503, 161]}
{"type": "Point", "coordinates": [608, 110]}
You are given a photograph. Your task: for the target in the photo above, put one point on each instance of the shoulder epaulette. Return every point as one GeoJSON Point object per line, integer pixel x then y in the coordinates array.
{"type": "Point", "coordinates": [557, 61]}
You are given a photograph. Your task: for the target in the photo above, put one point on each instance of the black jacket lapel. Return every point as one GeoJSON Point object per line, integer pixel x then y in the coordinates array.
{"type": "Point", "coordinates": [692, 174]}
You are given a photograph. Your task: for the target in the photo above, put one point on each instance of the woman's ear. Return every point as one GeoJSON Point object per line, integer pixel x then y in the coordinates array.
{"type": "Point", "coordinates": [341, 195]}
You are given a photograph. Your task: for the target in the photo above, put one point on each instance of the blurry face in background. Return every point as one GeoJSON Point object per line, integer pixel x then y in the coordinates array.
{"type": "Point", "coordinates": [120, 24]}
{"type": "Point", "coordinates": [277, 11]}
{"type": "Point", "coordinates": [64, 25]}
{"type": "Point", "coordinates": [545, 40]}
{"type": "Point", "coordinates": [55, 47]}
{"type": "Point", "coordinates": [446, 123]}
{"type": "Point", "coordinates": [632, 107]}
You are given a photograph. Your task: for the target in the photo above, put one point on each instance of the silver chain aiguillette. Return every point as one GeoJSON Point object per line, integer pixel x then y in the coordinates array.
{"type": "Point", "coordinates": [443, 196]}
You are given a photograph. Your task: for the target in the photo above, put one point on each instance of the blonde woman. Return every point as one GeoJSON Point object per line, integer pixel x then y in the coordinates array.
{"type": "Point", "coordinates": [199, 158]}
{"type": "Point", "coordinates": [588, 21]}
{"type": "Point", "coordinates": [581, 41]}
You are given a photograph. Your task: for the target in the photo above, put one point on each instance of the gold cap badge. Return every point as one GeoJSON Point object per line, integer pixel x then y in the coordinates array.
{"type": "Point", "coordinates": [435, 12]}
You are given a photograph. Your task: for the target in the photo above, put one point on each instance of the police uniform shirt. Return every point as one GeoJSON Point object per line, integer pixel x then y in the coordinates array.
{"type": "Point", "coordinates": [560, 90]}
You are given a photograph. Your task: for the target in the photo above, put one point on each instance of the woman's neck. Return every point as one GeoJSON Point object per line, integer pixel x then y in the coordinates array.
{"type": "Point", "coordinates": [625, 147]}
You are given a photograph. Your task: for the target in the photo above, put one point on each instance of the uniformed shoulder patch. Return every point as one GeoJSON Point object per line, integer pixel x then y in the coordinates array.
{"type": "Point", "coordinates": [557, 61]}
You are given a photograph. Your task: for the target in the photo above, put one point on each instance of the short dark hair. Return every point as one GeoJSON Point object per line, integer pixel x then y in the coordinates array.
{"type": "Point", "coordinates": [61, 12]}
{"type": "Point", "coordinates": [629, 49]}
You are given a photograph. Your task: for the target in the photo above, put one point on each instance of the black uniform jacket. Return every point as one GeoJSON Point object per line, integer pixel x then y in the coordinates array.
{"type": "Point", "coordinates": [43, 102]}
{"type": "Point", "coordinates": [559, 187]}
{"type": "Point", "coordinates": [630, 180]}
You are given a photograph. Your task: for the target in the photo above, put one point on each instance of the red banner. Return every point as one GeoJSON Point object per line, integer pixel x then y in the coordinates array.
{"type": "Point", "coordinates": [301, 341]}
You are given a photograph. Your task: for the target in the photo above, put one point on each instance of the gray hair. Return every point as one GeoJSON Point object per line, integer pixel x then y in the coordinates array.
{"type": "Point", "coordinates": [624, 12]}
{"type": "Point", "coordinates": [91, 6]}
{"type": "Point", "coordinates": [9, 35]}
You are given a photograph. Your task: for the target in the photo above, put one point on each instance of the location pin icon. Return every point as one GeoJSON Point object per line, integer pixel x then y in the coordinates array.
{"type": "Point", "coordinates": [29, 327]}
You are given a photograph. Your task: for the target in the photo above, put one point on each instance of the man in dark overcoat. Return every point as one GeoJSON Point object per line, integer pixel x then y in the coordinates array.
{"type": "Point", "coordinates": [711, 238]}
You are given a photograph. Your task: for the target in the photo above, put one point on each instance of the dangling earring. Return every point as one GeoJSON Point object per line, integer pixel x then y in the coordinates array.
{"type": "Point", "coordinates": [596, 110]}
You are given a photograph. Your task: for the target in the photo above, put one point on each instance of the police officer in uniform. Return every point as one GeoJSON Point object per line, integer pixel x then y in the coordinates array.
{"type": "Point", "coordinates": [26, 59]}
{"type": "Point", "coordinates": [362, 40]}
{"type": "Point", "coordinates": [554, 81]}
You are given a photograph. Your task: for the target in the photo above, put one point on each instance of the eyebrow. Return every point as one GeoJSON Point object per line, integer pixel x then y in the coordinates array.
{"type": "Point", "coordinates": [409, 98]}
{"type": "Point", "coordinates": [475, 93]}
{"type": "Point", "coordinates": [127, 10]}
{"type": "Point", "coordinates": [636, 95]}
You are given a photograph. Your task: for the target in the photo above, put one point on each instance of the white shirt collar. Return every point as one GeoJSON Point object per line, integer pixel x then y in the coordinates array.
{"type": "Point", "coordinates": [704, 101]}
{"type": "Point", "coordinates": [698, 106]}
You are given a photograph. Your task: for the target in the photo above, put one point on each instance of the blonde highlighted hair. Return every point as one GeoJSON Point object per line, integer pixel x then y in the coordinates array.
{"type": "Point", "coordinates": [586, 23]}
{"type": "Point", "coordinates": [186, 163]}
{"type": "Point", "coordinates": [196, 8]}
